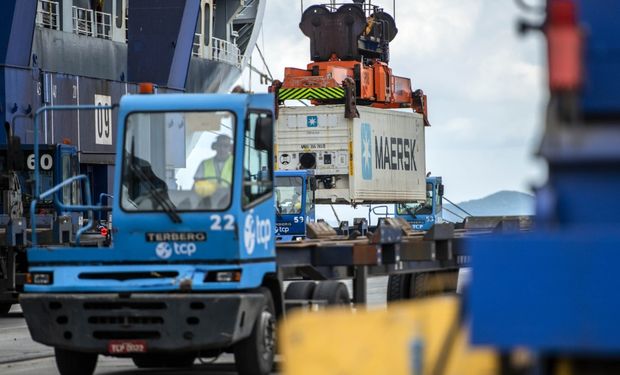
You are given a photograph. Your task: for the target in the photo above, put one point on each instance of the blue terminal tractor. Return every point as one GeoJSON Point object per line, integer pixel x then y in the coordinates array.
{"type": "Point", "coordinates": [423, 215]}
{"type": "Point", "coordinates": [294, 191]}
{"type": "Point", "coordinates": [198, 250]}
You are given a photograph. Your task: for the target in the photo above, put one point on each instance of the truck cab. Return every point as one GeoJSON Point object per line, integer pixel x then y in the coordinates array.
{"type": "Point", "coordinates": [17, 164]}
{"type": "Point", "coordinates": [192, 250]}
{"type": "Point", "coordinates": [294, 195]}
{"type": "Point", "coordinates": [423, 215]}
{"type": "Point", "coordinates": [56, 163]}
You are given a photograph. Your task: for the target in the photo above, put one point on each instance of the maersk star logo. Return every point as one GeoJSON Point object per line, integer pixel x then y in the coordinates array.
{"type": "Point", "coordinates": [312, 121]}
{"type": "Point", "coordinates": [366, 152]}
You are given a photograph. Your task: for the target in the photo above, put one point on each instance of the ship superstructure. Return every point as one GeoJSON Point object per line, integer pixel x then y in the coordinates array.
{"type": "Point", "coordinates": [77, 52]}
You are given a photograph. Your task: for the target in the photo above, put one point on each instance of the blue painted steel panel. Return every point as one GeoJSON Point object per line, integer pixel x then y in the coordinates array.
{"type": "Point", "coordinates": [3, 116]}
{"type": "Point", "coordinates": [23, 96]}
{"type": "Point", "coordinates": [602, 56]}
{"type": "Point", "coordinates": [154, 34]}
{"type": "Point", "coordinates": [547, 291]}
{"type": "Point", "coordinates": [67, 278]}
{"type": "Point", "coordinates": [20, 39]}
{"type": "Point", "coordinates": [17, 20]}
{"type": "Point", "coordinates": [184, 45]}
{"type": "Point", "coordinates": [7, 9]}
{"type": "Point", "coordinates": [586, 193]}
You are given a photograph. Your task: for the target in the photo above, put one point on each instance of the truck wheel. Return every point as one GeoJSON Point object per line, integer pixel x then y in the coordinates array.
{"type": "Point", "coordinates": [5, 308]}
{"type": "Point", "coordinates": [426, 284]}
{"type": "Point", "coordinates": [398, 287]}
{"type": "Point", "coordinates": [300, 290]}
{"type": "Point", "coordinates": [418, 287]}
{"type": "Point", "coordinates": [450, 281]}
{"type": "Point", "coordinates": [70, 362]}
{"type": "Point", "coordinates": [334, 292]}
{"type": "Point", "coordinates": [254, 355]}
{"type": "Point", "coordinates": [162, 360]}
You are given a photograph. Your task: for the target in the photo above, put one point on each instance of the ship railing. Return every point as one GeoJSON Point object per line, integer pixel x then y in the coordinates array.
{"type": "Point", "coordinates": [47, 14]}
{"type": "Point", "coordinates": [225, 51]}
{"type": "Point", "coordinates": [368, 7]}
{"type": "Point", "coordinates": [82, 21]}
{"type": "Point", "coordinates": [217, 50]}
{"type": "Point", "coordinates": [196, 50]}
{"type": "Point", "coordinates": [89, 22]}
{"type": "Point", "coordinates": [103, 25]}
{"type": "Point", "coordinates": [127, 25]}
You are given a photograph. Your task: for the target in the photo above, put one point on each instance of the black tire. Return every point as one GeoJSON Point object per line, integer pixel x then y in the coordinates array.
{"type": "Point", "coordinates": [428, 284]}
{"type": "Point", "coordinates": [334, 292]}
{"type": "Point", "coordinates": [452, 281]}
{"type": "Point", "coordinates": [398, 287]}
{"type": "Point", "coordinates": [164, 360]}
{"type": "Point", "coordinates": [418, 287]}
{"type": "Point", "coordinates": [300, 290]}
{"type": "Point", "coordinates": [5, 308]}
{"type": "Point", "coordinates": [255, 354]}
{"type": "Point", "coordinates": [70, 362]}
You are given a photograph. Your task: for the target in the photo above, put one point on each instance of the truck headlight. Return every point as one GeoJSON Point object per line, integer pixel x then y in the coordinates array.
{"type": "Point", "coordinates": [40, 278]}
{"type": "Point", "coordinates": [224, 276]}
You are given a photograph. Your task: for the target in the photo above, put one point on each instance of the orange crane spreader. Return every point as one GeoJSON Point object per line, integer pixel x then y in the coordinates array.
{"type": "Point", "coordinates": [350, 52]}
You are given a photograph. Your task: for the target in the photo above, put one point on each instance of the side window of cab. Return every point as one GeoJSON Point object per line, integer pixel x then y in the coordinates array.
{"type": "Point", "coordinates": [257, 158]}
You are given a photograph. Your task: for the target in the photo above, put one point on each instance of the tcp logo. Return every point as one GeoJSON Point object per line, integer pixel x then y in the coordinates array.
{"type": "Point", "coordinates": [256, 231]}
{"type": "Point", "coordinates": [164, 250]}
{"type": "Point", "coordinates": [366, 152]}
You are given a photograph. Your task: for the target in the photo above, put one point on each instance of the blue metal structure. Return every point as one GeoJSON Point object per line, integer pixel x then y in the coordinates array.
{"type": "Point", "coordinates": [17, 163]}
{"type": "Point", "coordinates": [294, 192]}
{"type": "Point", "coordinates": [55, 164]}
{"type": "Point", "coordinates": [553, 290]}
{"type": "Point", "coordinates": [423, 215]}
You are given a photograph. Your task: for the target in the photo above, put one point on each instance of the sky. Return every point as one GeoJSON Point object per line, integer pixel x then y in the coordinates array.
{"type": "Point", "coordinates": [485, 85]}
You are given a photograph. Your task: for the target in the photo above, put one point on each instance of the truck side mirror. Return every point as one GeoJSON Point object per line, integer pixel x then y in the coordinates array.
{"type": "Point", "coordinates": [312, 183]}
{"type": "Point", "coordinates": [15, 156]}
{"type": "Point", "coordinates": [263, 133]}
{"type": "Point", "coordinates": [441, 190]}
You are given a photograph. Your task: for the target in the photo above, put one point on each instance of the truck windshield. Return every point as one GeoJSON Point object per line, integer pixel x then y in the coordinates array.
{"type": "Point", "coordinates": [178, 161]}
{"type": "Point", "coordinates": [288, 195]}
{"type": "Point", "coordinates": [423, 208]}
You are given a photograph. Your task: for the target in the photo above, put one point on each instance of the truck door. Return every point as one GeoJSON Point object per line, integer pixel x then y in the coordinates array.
{"type": "Point", "coordinates": [258, 217]}
{"type": "Point", "coordinates": [67, 166]}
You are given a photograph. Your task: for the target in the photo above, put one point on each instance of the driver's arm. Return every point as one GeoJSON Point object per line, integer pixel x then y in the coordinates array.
{"type": "Point", "coordinates": [199, 171]}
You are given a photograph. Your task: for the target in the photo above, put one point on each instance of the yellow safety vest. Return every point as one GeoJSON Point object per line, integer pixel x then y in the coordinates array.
{"type": "Point", "coordinates": [226, 172]}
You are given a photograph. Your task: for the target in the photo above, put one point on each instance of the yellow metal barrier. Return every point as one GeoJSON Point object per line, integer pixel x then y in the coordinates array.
{"type": "Point", "coordinates": [407, 339]}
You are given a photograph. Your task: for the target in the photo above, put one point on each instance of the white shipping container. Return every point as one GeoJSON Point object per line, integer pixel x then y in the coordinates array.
{"type": "Point", "coordinates": [376, 158]}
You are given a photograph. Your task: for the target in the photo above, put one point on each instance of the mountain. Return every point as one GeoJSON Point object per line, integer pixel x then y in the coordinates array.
{"type": "Point", "coordinates": [497, 204]}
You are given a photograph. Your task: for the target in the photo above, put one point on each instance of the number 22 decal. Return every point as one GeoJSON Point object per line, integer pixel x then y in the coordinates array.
{"type": "Point", "coordinates": [216, 222]}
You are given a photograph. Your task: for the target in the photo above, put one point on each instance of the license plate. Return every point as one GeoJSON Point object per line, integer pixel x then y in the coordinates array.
{"type": "Point", "coordinates": [126, 346]}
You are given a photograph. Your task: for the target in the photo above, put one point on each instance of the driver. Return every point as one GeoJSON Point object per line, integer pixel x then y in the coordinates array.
{"type": "Point", "coordinates": [296, 207]}
{"type": "Point", "coordinates": [216, 171]}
